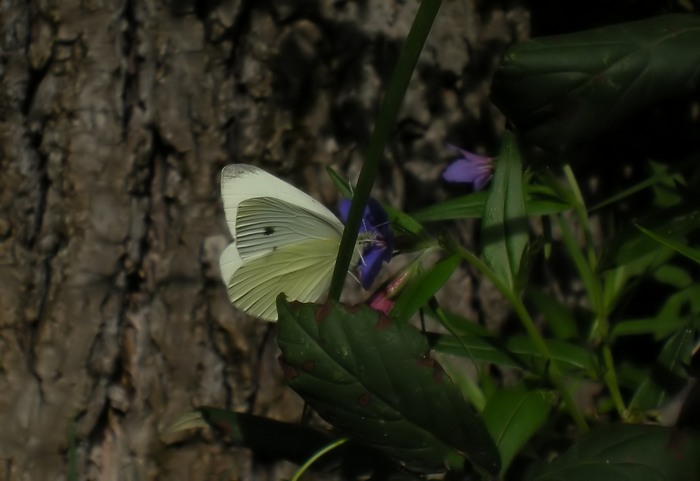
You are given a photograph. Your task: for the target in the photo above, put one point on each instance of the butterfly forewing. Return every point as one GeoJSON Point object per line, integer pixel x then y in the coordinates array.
{"type": "Point", "coordinates": [240, 182]}
{"type": "Point", "coordinates": [264, 224]}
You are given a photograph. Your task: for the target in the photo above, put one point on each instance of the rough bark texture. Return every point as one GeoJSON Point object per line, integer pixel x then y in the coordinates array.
{"type": "Point", "coordinates": [116, 117]}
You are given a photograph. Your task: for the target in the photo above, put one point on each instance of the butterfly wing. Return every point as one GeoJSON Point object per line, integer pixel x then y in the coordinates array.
{"type": "Point", "coordinates": [284, 241]}
{"type": "Point", "coordinates": [302, 271]}
{"type": "Point", "coordinates": [241, 181]}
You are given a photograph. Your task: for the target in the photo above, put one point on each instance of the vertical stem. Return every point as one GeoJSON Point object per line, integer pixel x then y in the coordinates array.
{"type": "Point", "coordinates": [580, 208]}
{"type": "Point", "coordinates": [555, 374]}
{"type": "Point", "coordinates": [598, 302]}
{"type": "Point", "coordinates": [408, 58]}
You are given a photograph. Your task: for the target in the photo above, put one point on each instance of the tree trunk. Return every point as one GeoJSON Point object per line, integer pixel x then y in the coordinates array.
{"type": "Point", "coordinates": [117, 116]}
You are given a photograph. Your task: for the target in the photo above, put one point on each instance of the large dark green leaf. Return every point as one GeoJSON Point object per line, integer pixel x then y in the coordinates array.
{"type": "Point", "coordinates": [627, 452]}
{"type": "Point", "coordinates": [374, 379]}
{"type": "Point", "coordinates": [563, 89]}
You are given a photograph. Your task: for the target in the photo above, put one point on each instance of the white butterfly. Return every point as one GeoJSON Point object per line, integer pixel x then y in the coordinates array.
{"type": "Point", "coordinates": [283, 241]}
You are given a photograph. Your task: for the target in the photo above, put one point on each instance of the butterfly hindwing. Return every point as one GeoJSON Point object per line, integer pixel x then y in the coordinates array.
{"type": "Point", "coordinates": [301, 271]}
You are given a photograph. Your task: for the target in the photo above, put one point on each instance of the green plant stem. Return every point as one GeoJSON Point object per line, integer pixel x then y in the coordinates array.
{"type": "Point", "coordinates": [595, 294]}
{"type": "Point", "coordinates": [521, 311]}
{"type": "Point", "coordinates": [580, 208]}
{"type": "Point", "coordinates": [587, 272]}
{"type": "Point", "coordinates": [72, 452]}
{"type": "Point", "coordinates": [408, 58]}
{"type": "Point", "coordinates": [474, 394]}
{"type": "Point", "coordinates": [610, 378]}
{"type": "Point", "coordinates": [316, 456]}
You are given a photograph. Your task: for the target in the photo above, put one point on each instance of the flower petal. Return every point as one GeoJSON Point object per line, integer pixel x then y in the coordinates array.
{"type": "Point", "coordinates": [372, 260]}
{"type": "Point", "coordinates": [469, 169]}
{"type": "Point", "coordinates": [376, 239]}
{"type": "Point", "coordinates": [461, 170]}
{"type": "Point", "coordinates": [469, 156]}
{"type": "Point", "coordinates": [482, 180]}
{"type": "Point", "coordinates": [344, 209]}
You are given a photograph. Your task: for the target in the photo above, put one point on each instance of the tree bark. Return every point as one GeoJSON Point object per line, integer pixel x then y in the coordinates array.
{"type": "Point", "coordinates": [117, 116]}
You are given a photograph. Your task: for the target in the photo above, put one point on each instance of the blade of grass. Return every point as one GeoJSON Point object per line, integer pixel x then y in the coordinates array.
{"type": "Point", "coordinates": [689, 252]}
{"type": "Point", "coordinates": [408, 58]}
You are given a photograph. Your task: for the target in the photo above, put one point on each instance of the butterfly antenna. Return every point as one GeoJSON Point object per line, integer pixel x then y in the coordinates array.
{"type": "Point", "coordinates": [384, 223]}
{"type": "Point", "coordinates": [362, 259]}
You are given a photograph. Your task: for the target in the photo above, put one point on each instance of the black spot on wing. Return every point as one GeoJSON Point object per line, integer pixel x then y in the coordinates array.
{"type": "Point", "coordinates": [269, 230]}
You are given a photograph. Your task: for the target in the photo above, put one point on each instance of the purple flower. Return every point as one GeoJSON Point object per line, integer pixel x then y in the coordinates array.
{"type": "Point", "coordinates": [469, 169]}
{"type": "Point", "coordinates": [375, 239]}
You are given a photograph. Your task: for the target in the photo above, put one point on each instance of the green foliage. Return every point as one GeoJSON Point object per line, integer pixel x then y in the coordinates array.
{"type": "Point", "coordinates": [601, 298]}
{"type": "Point", "coordinates": [373, 377]}
{"type": "Point", "coordinates": [513, 415]}
{"type": "Point", "coordinates": [626, 452]}
{"type": "Point", "coordinates": [562, 90]}
{"type": "Point", "coordinates": [423, 287]}
{"type": "Point", "coordinates": [504, 223]}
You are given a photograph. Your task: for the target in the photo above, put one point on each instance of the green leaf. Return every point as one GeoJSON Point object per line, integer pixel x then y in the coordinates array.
{"type": "Point", "coordinates": [373, 378]}
{"type": "Point", "coordinates": [589, 278]}
{"type": "Point", "coordinates": [513, 415]}
{"type": "Point", "coordinates": [630, 245]}
{"type": "Point", "coordinates": [340, 182]}
{"type": "Point", "coordinates": [516, 352]}
{"type": "Point", "coordinates": [504, 225]}
{"type": "Point", "coordinates": [673, 276]}
{"type": "Point", "coordinates": [540, 201]}
{"type": "Point", "coordinates": [541, 207]}
{"type": "Point", "coordinates": [403, 223]}
{"type": "Point", "coordinates": [568, 356]}
{"type": "Point", "coordinates": [422, 287]}
{"type": "Point", "coordinates": [476, 349]}
{"type": "Point", "coordinates": [559, 317]}
{"type": "Point", "coordinates": [465, 207]}
{"type": "Point", "coordinates": [457, 324]}
{"type": "Point", "coordinates": [562, 90]}
{"type": "Point", "coordinates": [689, 252]}
{"type": "Point", "coordinates": [684, 302]}
{"type": "Point", "coordinates": [658, 326]}
{"type": "Point", "coordinates": [625, 452]}
{"type": "Point", "coordinates": [668, 375]}
{"type": "Point", "coordinates": [660, 176]}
